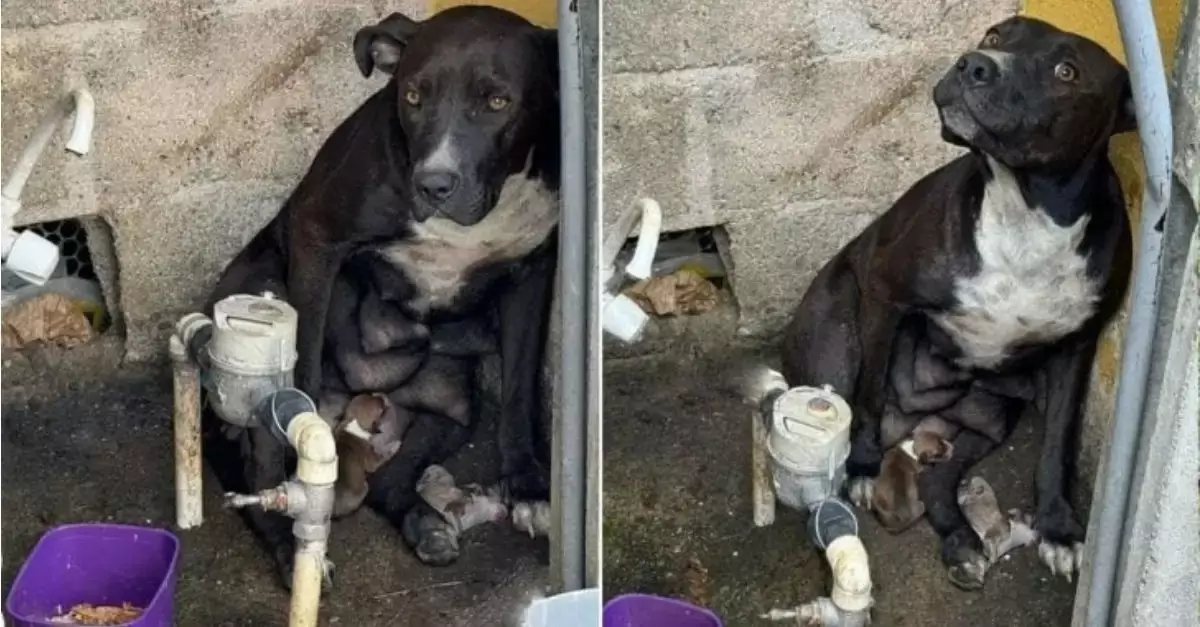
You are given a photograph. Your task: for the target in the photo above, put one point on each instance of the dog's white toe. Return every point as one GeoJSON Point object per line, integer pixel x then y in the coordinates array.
{"type": "Point", "coordinates": [862, 492]}
{"type": "Point", "coordinates": [1062, 560]}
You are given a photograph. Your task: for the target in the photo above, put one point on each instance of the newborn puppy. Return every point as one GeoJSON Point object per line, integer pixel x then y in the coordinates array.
{"type": "Point", "coordinates": [897, 501]}
{"type": "Point", "coordinates": [999, 533]}
{"type": "Point", "coordinates": [463, 507]}
{"type": "Point", "coordinates": [368, 435]}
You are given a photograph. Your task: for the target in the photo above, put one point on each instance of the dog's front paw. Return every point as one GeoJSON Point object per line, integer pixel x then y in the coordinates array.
{"type": "Point", "coordinates": [966, 565]}
{"type": "Point", "coordinates": [431, 537]}
{"type": "Point", "coordinates": [1061, 547]}
{"type": "Point", "coordinates": [862, 493]}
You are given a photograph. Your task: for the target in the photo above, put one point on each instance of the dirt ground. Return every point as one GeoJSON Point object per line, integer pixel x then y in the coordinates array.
{"type": "Point", "coordinates": [94, 446]}
{"type": "Point", "coordinates": [677, 514]}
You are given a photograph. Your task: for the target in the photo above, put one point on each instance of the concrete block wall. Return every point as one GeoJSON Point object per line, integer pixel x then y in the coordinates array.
{"type": "Point", "coordinates": [791, 123]}
{"type": "Point", "coordinates": [208, 112]}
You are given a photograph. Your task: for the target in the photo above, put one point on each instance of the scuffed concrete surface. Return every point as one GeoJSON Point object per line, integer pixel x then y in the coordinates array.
{"type": "Point", "coordinates": [82, 444]}
{"type": "Point", "coordinates": [677, 488]}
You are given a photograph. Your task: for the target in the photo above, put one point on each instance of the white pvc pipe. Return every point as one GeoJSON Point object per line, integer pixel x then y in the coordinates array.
{"type": "Point", "coordinates": [649, 214]}
{"type": "Point", "coordinates": [80, 101]}
{"type": "Point", "coordinates": [643, 255]}
{"type": "Point", "coordinates": [189, 477]}
{"type": "Point", "coordinates": [316, 450]}
{"type": "Point", "coordinates": [851, 574]}
{"type": "Point", "coordinates": [307, 574]}
{"type": "Point", "coordinates": [316, 467]}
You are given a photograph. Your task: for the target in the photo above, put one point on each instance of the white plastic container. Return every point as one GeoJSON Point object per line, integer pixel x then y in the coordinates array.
{"type": "Point", "coordinates": [569, 609]}
{"type": "Point", "coordinates": [809, 442]}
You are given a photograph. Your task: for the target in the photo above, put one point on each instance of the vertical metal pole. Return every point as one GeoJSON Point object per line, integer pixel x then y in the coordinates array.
{"type": "Point", "coordinates": [590, 44]}
{"type": "Point", "coordinates": [1148, 78]}
{"type": "Point", "coordinates": [569, 479]}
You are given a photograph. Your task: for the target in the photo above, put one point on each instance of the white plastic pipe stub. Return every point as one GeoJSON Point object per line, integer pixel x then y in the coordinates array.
{"type": "Point", "coordinates": [32, 257]}
{"type": "Point", "coordinates": [623, 318]}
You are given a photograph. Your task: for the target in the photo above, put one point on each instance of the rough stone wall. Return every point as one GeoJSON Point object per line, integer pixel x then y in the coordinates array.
{"type": "Point", "coordinates": [792, 123]}
{"type": "Point", "coordinates": [208, 113]}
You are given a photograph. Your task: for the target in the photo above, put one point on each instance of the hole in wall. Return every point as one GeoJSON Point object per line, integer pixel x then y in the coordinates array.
{"type": "Point", "coordinates": [72, 240]}
{"type": "Point", "coordinates": [702, 251]}
{"type": "Point", "coordinates": [85, 275]}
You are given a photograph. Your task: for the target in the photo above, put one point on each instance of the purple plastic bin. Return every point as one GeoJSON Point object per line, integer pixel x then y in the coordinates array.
{"type": "Point", "coordinates": [644, 610]}
{"type": "Point", "coordinates": [97, 564]}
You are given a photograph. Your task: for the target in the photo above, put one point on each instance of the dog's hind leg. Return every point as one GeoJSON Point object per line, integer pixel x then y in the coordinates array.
{"type": "Point", "coordinates": [821, 342]}
{"type": "Point", "coordinates": [822, 346]}
{"type": "Point", "coordinates": [259, 267]}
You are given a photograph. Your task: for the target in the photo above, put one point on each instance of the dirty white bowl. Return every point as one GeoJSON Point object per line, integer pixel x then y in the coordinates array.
{"type": "Point", "coordinates": [569, 609]}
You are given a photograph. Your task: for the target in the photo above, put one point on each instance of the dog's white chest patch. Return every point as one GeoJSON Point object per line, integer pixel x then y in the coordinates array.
{"type": "Point", "coordinates": [1032, 285]}
{"type": "Point", "coordinates": [441, 254]}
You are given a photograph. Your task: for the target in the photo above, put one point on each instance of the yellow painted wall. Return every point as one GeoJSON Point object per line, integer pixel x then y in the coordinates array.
{"type": "Point", "coordinates": [540, 12]}
{"type": "Point", "coordinates": [1096, 20]}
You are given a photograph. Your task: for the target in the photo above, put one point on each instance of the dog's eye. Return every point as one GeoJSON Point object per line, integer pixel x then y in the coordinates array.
{"type": "Point", "coordinates": [992, 38]}
{"type": "Point", "coordinates": [412, 97]}
{"type": "Point", "coordinates": [496, 103]}
{"type": "Point", "coordinates": [1065, 72]}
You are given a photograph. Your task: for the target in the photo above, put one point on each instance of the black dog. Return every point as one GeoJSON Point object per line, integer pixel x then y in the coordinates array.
{"type": "Point", "coordinates": [432, 208]}
{"type": "Point", "coordinates": [997, 272]}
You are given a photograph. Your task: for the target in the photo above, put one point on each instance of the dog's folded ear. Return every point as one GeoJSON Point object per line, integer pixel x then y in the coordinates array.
{"type": "Point", "coordinates": [380, 46]}
{"type": "Point", "coordinates": [1126, 113]}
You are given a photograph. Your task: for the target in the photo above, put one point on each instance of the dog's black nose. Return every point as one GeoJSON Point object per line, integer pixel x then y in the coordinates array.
{"type": "Point", "coordinates": [978, 68]}
{"type": "Point", "coordinates": [437, 186]}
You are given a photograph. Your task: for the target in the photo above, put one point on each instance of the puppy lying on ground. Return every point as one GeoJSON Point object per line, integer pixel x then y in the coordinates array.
{"type": "Point", "coordinates": [368, 435]}
{"type": "Point", "coordinates": [999, 533]}
{"type": "Point", "coordinates": [897, 501]}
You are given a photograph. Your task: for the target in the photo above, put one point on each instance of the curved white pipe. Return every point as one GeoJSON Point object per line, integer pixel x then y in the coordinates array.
{"type": "Point", "coordinates": [851, 574]}
{"type": "Point", "coordinates": [80, 101]}
{"type": "Point", "coordinates": [316, 450]}
{"type": "Point", "coordinates": [643, 255]}
{"type": "Point", "coordinates": [648, 213]}
{"type": "Point", "coordinates": [316, 470]}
